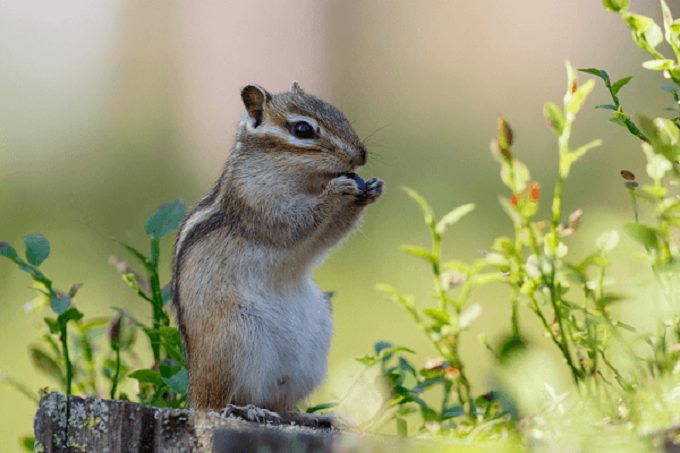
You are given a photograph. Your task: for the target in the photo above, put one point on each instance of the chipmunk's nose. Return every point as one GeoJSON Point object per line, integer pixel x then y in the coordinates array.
{"type": "Point", "coordinates": [359, 159]}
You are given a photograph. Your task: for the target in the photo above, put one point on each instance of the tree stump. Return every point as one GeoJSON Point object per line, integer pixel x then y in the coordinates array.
{"type": "Point", "coordinates": [96, 425]}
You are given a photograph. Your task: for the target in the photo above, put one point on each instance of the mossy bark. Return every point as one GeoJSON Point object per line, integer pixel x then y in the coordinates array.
{"type": "Point", "coordinates": [96, 425]}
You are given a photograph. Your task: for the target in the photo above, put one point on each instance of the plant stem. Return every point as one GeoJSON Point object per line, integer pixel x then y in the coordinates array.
{"type": "Point", "coordinates": [63, 336]}
{"type": "Point", "coordinates": [157, 300]}
{"type": "Point", "coordinates": [116, 376]}
{"type": "Point", "coordinates": [436, 268]}
{"type": "Point", "coordinates": [553, 242]}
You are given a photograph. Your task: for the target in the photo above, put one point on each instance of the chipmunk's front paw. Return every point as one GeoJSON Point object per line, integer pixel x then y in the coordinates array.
{"type": "Point", "coordinates": [373, 190]}
{"type": "Point", "coordinates": [344, 185]}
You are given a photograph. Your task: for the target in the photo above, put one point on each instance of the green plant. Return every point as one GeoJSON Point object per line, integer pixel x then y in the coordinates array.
{"type": "Point", "coordinates": [570, 298]}
{"type": "Point", "coordinates": [661, 146]}
{"type": "Point", "coordinates": [56, 359]}
{"type": "Point", "coordinates": [533, 263]}
{"type": "Point", "coordinates": [166, 381]}
{"type": "Point", "coordinates": [71, 354]}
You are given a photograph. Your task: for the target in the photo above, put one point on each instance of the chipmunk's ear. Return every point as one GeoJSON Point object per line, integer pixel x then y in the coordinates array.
{"type": "Point", "coordinates": [254, 99]}
{"type": "Point", "coordinates": [296, 88]}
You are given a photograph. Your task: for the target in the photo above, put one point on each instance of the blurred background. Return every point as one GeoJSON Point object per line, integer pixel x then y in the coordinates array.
{"type": "Point", "coordinates": [109, 109]}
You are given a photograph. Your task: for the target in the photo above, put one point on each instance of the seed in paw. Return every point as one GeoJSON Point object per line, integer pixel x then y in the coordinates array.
{"type": "Point", "coordinates": [360, 182]}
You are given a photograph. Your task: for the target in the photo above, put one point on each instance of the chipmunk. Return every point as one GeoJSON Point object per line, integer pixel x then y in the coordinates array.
{"type": "Point", "coordinates": [256, 328]}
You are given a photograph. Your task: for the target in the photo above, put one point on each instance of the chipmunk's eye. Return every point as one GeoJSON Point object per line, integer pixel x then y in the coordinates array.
{"type": "Point", "coordinates": [302, 129]}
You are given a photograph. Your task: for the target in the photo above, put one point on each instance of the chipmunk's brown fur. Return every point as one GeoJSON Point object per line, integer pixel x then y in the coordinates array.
{"type": "Point", "coordinates": [255, 327]}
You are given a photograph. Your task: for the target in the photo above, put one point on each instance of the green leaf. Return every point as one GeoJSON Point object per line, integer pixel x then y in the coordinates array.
{"type": "Point", "coordinates": [673, 34]}
{"type": "Point", "coordinates": [615, 5]}
{"type": "Point", "coordinates": [453, 411]}
{"type": "Point", "coordinates": [581, 151]}
{"type": "Point", "coordinates": [574, 101]}
{"type": "Point", "coordinates": [618, 121]}
{"type": "Point", "coordinates": [134, 252]}
{"type": "Point", "coordinates": [428, 212]}
{"type": "Point", "coordinates": [72, 314]}
{"type": "Point", "coordinates": [616, 86]}
{"type": "Point", "coordinates": [28, 443]}
{"type": "Point", "coordinates": [609, 299]}
{"type": "Point", "coordinates": [668, 131]}
{"type": "Point", "coordinates": [515, 172]}
{"type": "Point", "coordinates": [601, 73]}
{"type": "Point", "coordinates": [383, 351]}
{"type": "Point", "coordinates": [382, 345]}
{"type": "Point", "coordinates": [403, 300]}
{"type": "Point", "coordinates": [147, 376]}
{"type": "Point", "coordinates": [438, 315]}
{"type": "Point", "coordinates": [52, 325]}
{"type": "Point", "coordinates": [179, 382]}
{"type": "Point", "coordinates": [469, 315]}
{"type": "Point", "coordinates": [409, 380]}
{"type": "Point", "coordinates": [37, 249]}
{"type": "Point", "coordinates": [607, 107]}
{"type": "Point", "coordinates": [128, 316]}
{"type": "Point", "coordinates": [510, 210]}
{"type": "Point", "coordinates": [554, 115]}
{"type": "Point", "coordinates": [503, 244]}
{"type": "Point", "coordinates": [46, 364]}
{"type": "Point", "coordinates": [166, 220]}
{"type": "Point", "coordinates": [642, 233]}
{"type": "Point", "coordinates": [7, 250]}
{"type": "Point", "coordinates": [663, 135]}
{"type": "Point", "coordinates": [505, 134]}
{"type": "Point", "coordinates": [658, 65]}
{"type": "Point", "coordinates": [657, 165]}
{"type": "Point", "coordinates": [367, 360]}
{"type": "Point", "coordinates": [59, 304]}
{"type": "Point", "coordinates": [671, 27]}
{"type": "Point", "coordinates": [646, 33]}
{"type": "Point", "coordinates": [166, 294]}
{"type": "Point", "coordinates": [666, 13]}
{"type": "Point", "coordinates": [625, 326]}
{"type": "Point", "coordinates": [607, 241]}
{"type": "Point", "coordinates": [73, 291]}
{"type": "Point", "coordinates": [387, 352]}
{"type": "Point", "coordinates": [509, 347]}
{"type": "Point", "coordinates": [453, 217]}
{"type": "Point", "coordinates": [418, 252]}
{"type": "Point", "coordinates": [320, 407]}
{"type": "Point", "coordinates": [94, 324]}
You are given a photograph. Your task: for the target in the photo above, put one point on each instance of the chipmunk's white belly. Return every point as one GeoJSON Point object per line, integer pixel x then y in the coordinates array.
{"type": "Point", "coordinates": [289, 331]}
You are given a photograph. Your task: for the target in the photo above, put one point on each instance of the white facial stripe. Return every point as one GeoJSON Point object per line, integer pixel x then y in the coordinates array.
{"type": "Point", "coordinates": [295, 118]}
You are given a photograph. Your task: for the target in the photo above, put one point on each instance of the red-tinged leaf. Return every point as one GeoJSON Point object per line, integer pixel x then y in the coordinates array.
{"type": "Point", "coordinates": [535, 192]}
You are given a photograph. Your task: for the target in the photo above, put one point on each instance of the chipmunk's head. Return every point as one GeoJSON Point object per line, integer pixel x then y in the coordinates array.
{"type": "Point", "coordinates": [297, 131]}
